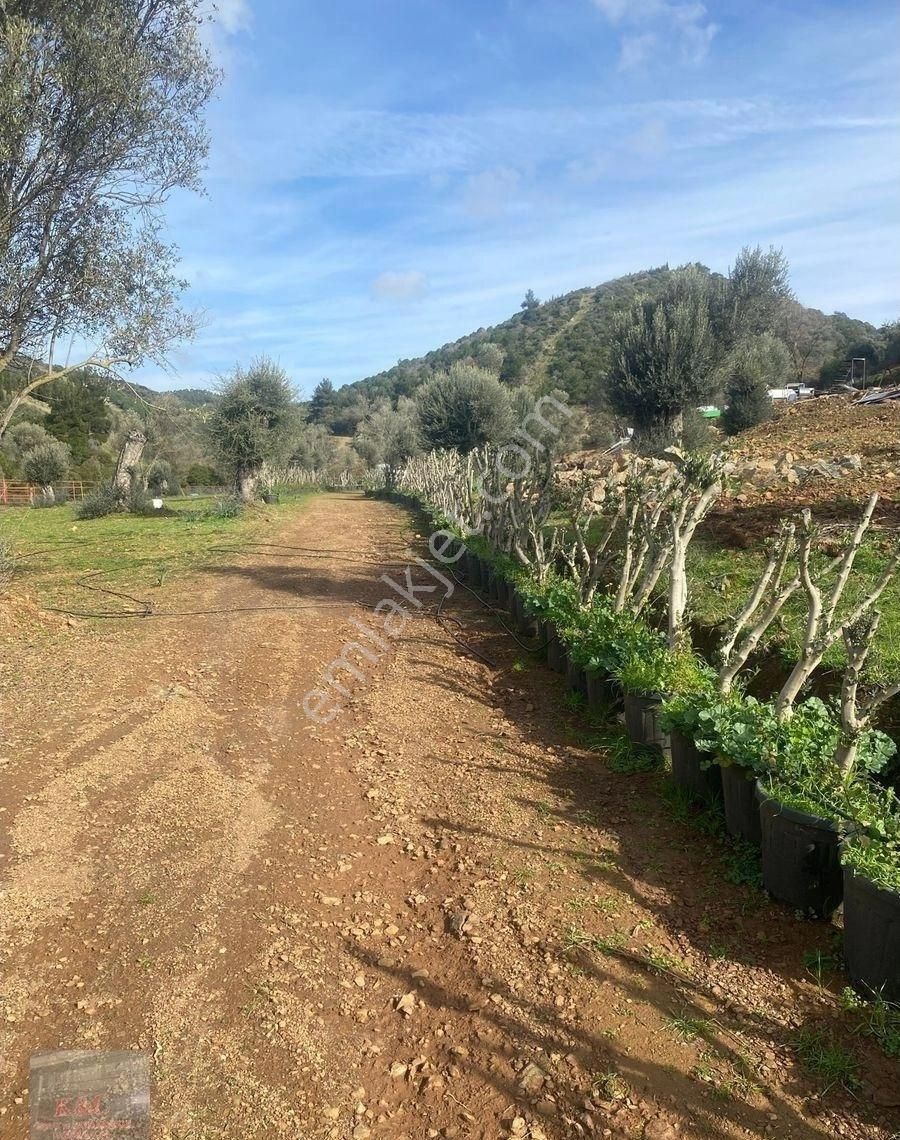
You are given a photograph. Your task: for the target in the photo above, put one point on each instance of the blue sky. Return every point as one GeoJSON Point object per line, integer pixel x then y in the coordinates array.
{"type": "Point", "coordinates": [387, 175]}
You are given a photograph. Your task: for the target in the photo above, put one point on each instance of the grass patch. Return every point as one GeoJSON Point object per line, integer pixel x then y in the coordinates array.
{"type": "Point", "coordinates": [689, 1028]}
{"type": "Point", "coordinates": [877, 1018]}
{"type": "Point", "coordinates": [820, 965]}
{"type": "Point", "coordinates": [622, 755]}
{"type": "Point", "coordinates": [53, 549]}
{"type": "Point", "coordinates": [827, 1059]}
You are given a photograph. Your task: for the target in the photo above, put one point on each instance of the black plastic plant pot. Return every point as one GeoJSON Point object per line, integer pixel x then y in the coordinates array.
{"type": "Point", "coordinates": [871, 937]}
{"type": "Point", "coordinates": [576, 677]}
{"type": "Point", "coordinates": [556, 651]}
{"type": "Point", "coordinates": [521, 620]}
{"type": "Point", "coordinates": [604, 693]}
{"type": "Point", "coordinates": [473, 569]}
{"type": "Point", "coordinates": [740, 803]}
{"type": "Point", "coordinates": [692, 770]}
{"type": "Point", "coordinates": [642, 720]}
{"type": "Point", "coordinates": [489, 581]}
{"type": "Point", "coordinates": [801, 858]}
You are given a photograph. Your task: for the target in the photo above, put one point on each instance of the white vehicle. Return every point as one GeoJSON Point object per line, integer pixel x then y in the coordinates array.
{"type": "Point", "coordinates": [788, 395]}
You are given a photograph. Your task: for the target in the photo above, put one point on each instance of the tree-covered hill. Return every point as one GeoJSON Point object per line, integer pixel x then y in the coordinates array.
{"type": "Point", "coordinates": [564, 343]}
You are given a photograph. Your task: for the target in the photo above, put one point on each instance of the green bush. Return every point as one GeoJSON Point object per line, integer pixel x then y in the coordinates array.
{"type": "Point", "coordinates": [601, 640]}
{"type": "Point", "coordinates": [103, 500]}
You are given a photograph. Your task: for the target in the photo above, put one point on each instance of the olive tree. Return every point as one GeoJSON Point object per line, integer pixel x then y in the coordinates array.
{"type": "Point", "coordinates": [389, 436]}
{"type": "Point", "coordinates": [101, 118]}
{"type": "Point", "coordinates": [253, 422]}
{"type": "Point", "coordinates": [665, 350]}
{"type": "Point", "coordinates": [464, 408]}
{"type": "Point", "coordinates": [751, 368]}
{"type": "Point", "coordinates": [662, 358]}
{"type": "Point", "coordinates": [46, 464]}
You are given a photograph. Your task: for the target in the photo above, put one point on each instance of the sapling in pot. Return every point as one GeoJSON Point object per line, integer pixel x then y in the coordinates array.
{"type": "Point", "coordinates": [807, 805]}
{"type": "Point", "coordinates": [650, 674]}
{"type": "Point", "coordinates": [694, 771]}
{"type": "Point", "coordinates": [871, 860]}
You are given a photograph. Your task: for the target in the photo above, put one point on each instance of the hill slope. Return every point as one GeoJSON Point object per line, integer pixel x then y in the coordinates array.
{"type": "Point", "coordinates": [564, 343]}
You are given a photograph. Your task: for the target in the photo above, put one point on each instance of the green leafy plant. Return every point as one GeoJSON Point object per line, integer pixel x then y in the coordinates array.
{"type": "Point", "coordinates": [874, 850]}
{"type": "Point", "coordinates": [599, 639]}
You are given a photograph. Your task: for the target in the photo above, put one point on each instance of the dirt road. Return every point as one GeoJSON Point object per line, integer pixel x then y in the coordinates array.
{"type": "Point", "coordinates": [438, 914]}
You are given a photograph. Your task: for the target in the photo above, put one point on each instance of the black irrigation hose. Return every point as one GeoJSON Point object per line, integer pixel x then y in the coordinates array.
{"type": "Point", "coordinates": [497, 613]}
{"type": "Point", "coordinates": [441, 618]}
{"type": "Point", "coordinates": [199, 613]}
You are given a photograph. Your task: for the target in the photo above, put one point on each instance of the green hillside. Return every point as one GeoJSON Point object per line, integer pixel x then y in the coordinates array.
{"type": "Point", "coordinates": [564, 343]}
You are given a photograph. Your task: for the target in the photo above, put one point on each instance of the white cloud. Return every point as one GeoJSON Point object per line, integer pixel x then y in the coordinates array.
{"type": "Point", "coordinates": [222, 20]}
{"type": "Point", "coordinates": [659, 21]}
{"type": "Point", "coordinates": [635, 50]}
{"type": "Point", "coordinates": [407, 286]}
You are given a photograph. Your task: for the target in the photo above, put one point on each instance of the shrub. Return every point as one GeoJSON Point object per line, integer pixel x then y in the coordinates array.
{"type": "Point", "coordinates": [56, 499]}
{"type": "Point", "coordinates": [875, 852]}
{"type": "Point", "coordinates": [161, 478]}
{"type": "Point", "coordinates": [464, 408]}
{"type": "Point", "coordinates": [46, 463]}
{"type": "Point", "coordinates": [601, 640]}
{"type": "Point", "coordinates": [229, 508]}
{"type": "Point", "coordinates": [751, 369]}
{"type": "Point", "coordinates": [103, 500]}
{"type": "Point", "coordinates": [202, 475]}
{"type": "Point", "coordinates": [795, 755]}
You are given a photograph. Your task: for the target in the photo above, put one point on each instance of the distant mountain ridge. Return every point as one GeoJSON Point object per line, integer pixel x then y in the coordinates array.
{"type": "Point", "coordinates": [564, 342]}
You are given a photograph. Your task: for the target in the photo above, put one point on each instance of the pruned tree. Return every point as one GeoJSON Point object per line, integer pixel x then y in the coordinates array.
{"type": "Point", "coordinates": [825, 625]}
{"type": "Point", "coordinates": [767, 599]}
{"type": "Point", "coordinates": [101, 118]}
{"type": "Point", "coordinates": [858, 709]}
{"type": "Point", "coordinates": [647, 541]}
{"type": "Point", "coordinates": [252, 422]}
{"type": "Point", "coordinates": [699, 485]}
{"type": "Point", "coordinates": [128, 463]}
{"type": "Point", "coordinates": [594, 515]}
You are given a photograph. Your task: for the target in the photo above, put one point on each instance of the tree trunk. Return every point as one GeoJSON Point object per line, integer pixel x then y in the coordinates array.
{"type": "Point", "coordinates": [246, 485]}
{"type": "Point", "coordinates": [678, 593]}
{"type": "Point", "coordinates": [129, 458]}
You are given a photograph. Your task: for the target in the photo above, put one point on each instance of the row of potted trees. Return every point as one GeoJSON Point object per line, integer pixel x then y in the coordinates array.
{"type": "Point", "coordinates": [826, 836]}
{"type": "Point", "coordinates": [598, 575]}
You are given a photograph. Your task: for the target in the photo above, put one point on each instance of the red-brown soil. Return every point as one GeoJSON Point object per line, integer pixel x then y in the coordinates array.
{"type": "Point", "coordinates": [439, 915]}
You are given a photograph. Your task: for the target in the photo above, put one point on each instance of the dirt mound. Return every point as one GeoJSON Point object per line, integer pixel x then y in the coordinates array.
{"type": "Point", "coordinates": [828, 427]}
{"type": "Point", "coordinates": [21, 613]}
